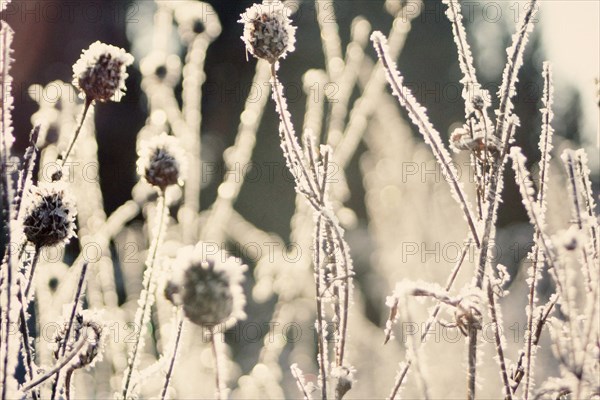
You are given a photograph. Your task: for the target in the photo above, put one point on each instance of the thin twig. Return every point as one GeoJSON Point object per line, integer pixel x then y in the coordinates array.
{"type": "Point", "coordinates": [146, 295]}
{"type": "Point", "coordinates": [498, 339]}
{"type": "Point", "coordinates": [432, 137]}
{"type": "Point", "coordinates": [545, 146]}
{"type": "Point", "coordinates": [27, 386]}
{"type": "Point", "coordinates": [220, 386]}
{"type": "Point", "coordinates": [297, 374]}
{"type": "Point", "coordinates": [28, 359]}
{"type": "Point", "coordinates": [322, 345]}
{"type": "Point", "coordinates": [31, 277]}
{"type": "Point", "coordinates": [86, 106]}
{"type": "Point", "coordinates": [63, 346]}
{"type": "Point", "coordinates": [430, 321]}
{"type": "Point", "coordinates": [173, 357]}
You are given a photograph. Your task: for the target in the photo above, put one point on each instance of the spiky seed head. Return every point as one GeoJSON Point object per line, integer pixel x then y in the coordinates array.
{"type": "Point", "coordinates": [162, 161]}
{"type": "Point", "coordinates": [207, 284]}
{"type": "Point", "coordinates": [101, 71]}
{"type": "Point", "coordinates": [268, 32]}
{"type": "Point", "coordinates": [49, 217]}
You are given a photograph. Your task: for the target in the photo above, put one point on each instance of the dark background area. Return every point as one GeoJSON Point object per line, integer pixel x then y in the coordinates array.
{"type": "Point", "coordinates": [49, 36]}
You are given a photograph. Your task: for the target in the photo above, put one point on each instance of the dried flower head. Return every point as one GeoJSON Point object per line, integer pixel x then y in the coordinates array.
{"type": "Point", "coordinates": [268, 32]}
{"type": "Point", "coordinates": [162, 161]}
{"type": "Point", "coordinates": [49, 218]}
{"type": "Point", "coordinates": [207, 283]}
{"type": "Point", "coordinates": [100, 72]}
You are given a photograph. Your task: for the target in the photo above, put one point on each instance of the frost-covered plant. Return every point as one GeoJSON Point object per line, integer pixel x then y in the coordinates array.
{"type": "Point", "coordinates": [49, 215]}
{"type": "Point", "coordinates": [101, 71]}
{"type": "Point", "coordinates": [269, 35]}
{"type": "Point", "coordinates": [489, 146]}
{"type": "Point", "coordinates": [356, 124]}
{"type": "Point", "coordinates": [268, 31]}
{"type": "Point", "coordinates": [162, 161]}
{"type": "Point", "coordinates": [207, 286]}
{"type": "Point", "coordinates": [99, 75]}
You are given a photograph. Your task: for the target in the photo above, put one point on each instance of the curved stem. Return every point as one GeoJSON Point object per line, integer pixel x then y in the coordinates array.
{"type": "Point", "coordinates": [67, 359]}
{"type": "Point", "coordinates": [430, 321]}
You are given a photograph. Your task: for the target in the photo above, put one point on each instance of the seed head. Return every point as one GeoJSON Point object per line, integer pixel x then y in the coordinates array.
{"type": "Point", "coordinates": [100, 72]}
{"type": "Point", "coordinates": [268, 32]}
{"type": "Point", "coordinates": [207, 284]}
{"type": "Point", "coordinates": [162, 161]}
{"type": "Point", "coordinates": [49, 218]}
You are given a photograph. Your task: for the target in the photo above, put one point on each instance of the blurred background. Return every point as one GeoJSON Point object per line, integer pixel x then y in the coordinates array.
{"type": "Point", "coordinates": [49, 37]}
{"type": "Point", "coordinates": [51, 34]}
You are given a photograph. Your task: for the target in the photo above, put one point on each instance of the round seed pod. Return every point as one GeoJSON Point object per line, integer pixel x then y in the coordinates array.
{"type": "Point", "coordinates": [162, 161]}
{"type": "Point", "coordinates": [49, 217]}
{"type": "Point", "coordinates": [100, 72]}
{"type": "Point", "coordinates": [207, 284]}
{"type": "Point", "coordinates": [268, 32]}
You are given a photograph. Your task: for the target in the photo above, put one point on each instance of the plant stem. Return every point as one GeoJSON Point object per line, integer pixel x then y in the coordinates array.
{"type": "Point", "coordinates": [432, 137]}
{"type": "Point", "coordinates": [322, 345]}
{"type": "Point", "coordinates": [430, 321]}
{"type": "Point", "coordinates": [218, 378]}
{"type": "Point", "coordinates": [28, 359]}
{"type": "Point", "coordinates": [63, 346]}
{"type": "Point", "coordinates": [34, 262]}
{"type": "Point", "coordinates": [64, 159]}
{"type": "Point", "coordinates": [498, 339]}
{"type": "Point", "coordinates": [68, 377]}
{"type": "Point", "coordinates": [56, 369]}
{"type": "Point", "coordinates": [173, 357]}
{"type": "Point", "coordinates": [146, 298]}
{"type": "Point", "coordinates": [288, 134]}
